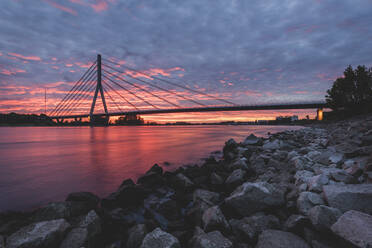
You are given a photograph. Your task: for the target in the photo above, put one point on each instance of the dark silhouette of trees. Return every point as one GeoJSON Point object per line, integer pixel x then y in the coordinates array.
{"type": "Point", "coordinates": [352, 93]}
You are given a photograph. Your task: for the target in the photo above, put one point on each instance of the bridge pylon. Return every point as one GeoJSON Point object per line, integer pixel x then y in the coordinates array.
{"type": "Point", "coordinates": [95, 120]}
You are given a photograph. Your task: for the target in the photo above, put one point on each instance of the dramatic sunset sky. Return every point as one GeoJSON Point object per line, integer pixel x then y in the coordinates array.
{"type": "Point", "coordinates": [248, 52]}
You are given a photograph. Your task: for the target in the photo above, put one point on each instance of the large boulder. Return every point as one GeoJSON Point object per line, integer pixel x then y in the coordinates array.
{"type": "Point", "coordinates": [236, 178]}
{"type": "Point", "coordinates": [60, 210]}
{"type": "Point", "coordinates": [153, 177]}
{"type": "Point", "coordinates": [88, 198]}
{"type": "Point", "coordinates": [323, 217]}
{"type": "Point", "coordinates": [213, 219]}
{"type": "Point", "coordinates": [356, 227]}
{"type": "Point", "coordinates": [296, 223]}
{"type": "Point", "coordinates": [349, 197]}
{"type": "Point", "coordinates": [252, 140]}
{"type": "Point", "coordinates": [307, 200]}
{"type": "Point", "coordinates": [160, 239]}
{"type": "Point", "coordinates": [182, 182]}
{"type": "Point", "coordinates": [136, 235]}
{"type": "Point", "coordinates": [40, 234]}
{"type": "Point", "coordinates": [85, 233]}
{"type": "Point", "coordinates": [211, 240]}
{"type": "Point", "coordinates": [280, 239]}
{"type": "Point", "coordinates": [253, 197]}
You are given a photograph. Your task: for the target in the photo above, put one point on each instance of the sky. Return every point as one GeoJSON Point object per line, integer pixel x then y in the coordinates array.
{"type": "Point", "coordinates": [246, 52]}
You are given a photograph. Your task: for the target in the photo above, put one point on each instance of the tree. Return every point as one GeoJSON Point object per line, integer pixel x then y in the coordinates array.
{"type": "Point", "coordinates": [353, 91]}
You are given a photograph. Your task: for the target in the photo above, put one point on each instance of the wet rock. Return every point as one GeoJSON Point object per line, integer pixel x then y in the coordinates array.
{"type": "Point", "coordinates": [323, 217]}
{"type": "Point", "coordinates": [295, 223]}
{"type": "Point", "coordinates": [236, 178]}
{"type": "Point", "coordinates": [356, 227]}
{"type": "Point", "coordinates": [160, 239]}
{"type": "Point", "coordinates": [211, 240]}
{"type": "Point", "coordinates": [230, 149]}
{"type": "Point", "coordinates": [213, 219]}
{"type": "Point", "coordinates": [280, 239]}
{"type": "Point", "coordinates": [84, 233]}
{"type": "Point", "coordinates": [216, 179]}
{"type": "Point", "coordinates": [182, 182]}
{"type": "Point", "coordinates": [60, 210]}
{"type": "Point", "coordinates": [40, 234]}
{"type": "Point", "coordinates": [136, 235]}
{"type": "Point", "coordinates": [349, 197]}
{"type": "Point", "coordinates": [307, 200]}
{"type": "Point", "coordinates": [88, 198]}
{"type": "Point", "coordinates": [152, 177]}
{"type": "Point", "coordinates": [253, 197]}
{"type": "Point", "coordinates": [252, 140]}
{"type": "Point", "coordinates": [316, 183]}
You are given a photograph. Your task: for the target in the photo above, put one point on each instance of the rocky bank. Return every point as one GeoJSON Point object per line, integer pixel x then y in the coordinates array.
{"type": "Point", "coordinates": [305, 188]}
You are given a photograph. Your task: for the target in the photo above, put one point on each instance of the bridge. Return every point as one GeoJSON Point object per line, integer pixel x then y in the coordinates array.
{"type": "Point", "coordinates": [105, 77]}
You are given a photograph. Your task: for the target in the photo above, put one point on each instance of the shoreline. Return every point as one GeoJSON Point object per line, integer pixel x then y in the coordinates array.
{"type": "Point", "coordinates": [285, 188]}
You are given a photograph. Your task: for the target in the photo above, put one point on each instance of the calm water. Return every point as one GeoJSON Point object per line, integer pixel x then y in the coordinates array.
{"type": "Point", "coordinates": [42, 164]}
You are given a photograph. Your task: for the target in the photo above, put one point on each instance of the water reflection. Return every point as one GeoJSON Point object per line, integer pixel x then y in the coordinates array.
{"type": "Point", "coordinates": [42, 164]}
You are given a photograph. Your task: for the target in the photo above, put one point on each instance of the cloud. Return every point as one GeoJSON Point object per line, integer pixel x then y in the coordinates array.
{"type": "Point", "coordinates": [61, 7]}
{"type": "Point", "coordinates": [35, 58]}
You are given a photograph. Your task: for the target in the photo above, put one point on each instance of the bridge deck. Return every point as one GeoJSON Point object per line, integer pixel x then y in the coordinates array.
{"type": "Point", "coordinates": [205, 109]}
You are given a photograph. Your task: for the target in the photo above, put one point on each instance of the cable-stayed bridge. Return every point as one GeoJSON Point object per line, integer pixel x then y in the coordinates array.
{"type": "Point", "coordinates": [132, 92]}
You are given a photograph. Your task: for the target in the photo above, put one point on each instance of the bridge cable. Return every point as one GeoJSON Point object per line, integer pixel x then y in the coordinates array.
{"type": "Point", "coordinates": [158, 87]}
{"type": "Point", "coordinates": [77, 94]}
{"type": "Point", "coordinates": [130, 92]}
{"type": "Point", "coordinates": [175, 84]}
{"type": "Point", "coordinates": [106, 83]}
{"type": "Point", "coordinates": [73, 88]}
{"type": "Point", "coordinates": [112, 99]}
{"type": "Point", "coordinates": [134, 85]}
{"type": "Point", "coordinates": [82, 97]}
{"type": "Point", "coordinates": [71, 99]}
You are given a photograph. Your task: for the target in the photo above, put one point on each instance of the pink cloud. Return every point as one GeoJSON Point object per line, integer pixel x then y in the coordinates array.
{"type": "Point", "coordinates": [100, 6]}
{"type": "Point", "coordinates": [61, 7]}
{"type": "Point", "coordinates": [69, 65]}
{"type": "Point", "coordinates": [35, 58]}
{"type": "Point", "coordinates": [11, 72]}
{"type": "Point", "coordinates": [82, 65]}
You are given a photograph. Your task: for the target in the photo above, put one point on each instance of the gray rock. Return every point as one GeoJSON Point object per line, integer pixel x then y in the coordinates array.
{"type": "Point", "coordinates": [253, 197]}
{"type": "Point", "coordinates": [211, 240]}
{"type": "Point", "coordinates": [236, 178]}
{"type": "Point", "coordinates": [260, 222]}
{"type": "Point", "coordinates": [301, 163]}
{"type": "Point", "coordinates": [336, 158]}
{"type": "Point", "coordinates": [307, 200]}
{"type": "Point", "coordinates": [349, 197]}
{"type": "Point", "coordinates": [240, 163]}
{"type": "Point", "coordinates": [84, 234]}
{"type": "Point", "coordinates": [316, 183]}
{"type": "Point", "coordinates": [88, 198]}
{"type": "Point", "coordinates": [252, 140]}
{"type": "Point", "coordinates": [296, 223]}
{"type": "Point", "coordinates": [242, 230]}
{"type": "Point", "coordinates": [323, 217]}
{"type": "Point", "coordinates": [2, 242]}
{"type": "Point", "coordinates": [136, 235]}
{"type": "Point", "coordinates": [202, 195]}
{"type": "Point", "coordinates": [41, 234]}
{"type": "Point", "coordinates": [280, 239]}
{"type": "Point", "coordinates": [60, 210]}
{"type": "Point", "coordinates": [216, 179]}
{"type": "Point", "coordinates": [272, 145]}
{"type": "Point", "coordinates": [160, 239]}
{"type": "Point", "coordinates": [303, 176]}
{"type": "Point", "coordinates": [213, 219]}
{"type": "Point", "coordinates": [183, 182]}
{"type": "Point", "coordinates": [355, 227]}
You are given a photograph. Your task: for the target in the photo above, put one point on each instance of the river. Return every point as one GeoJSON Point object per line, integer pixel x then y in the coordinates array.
{"type": "Point", "coordinates": [43, 164]}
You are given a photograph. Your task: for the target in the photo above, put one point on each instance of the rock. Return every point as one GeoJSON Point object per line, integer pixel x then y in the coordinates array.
{"type": "Point", "coordinates": [356, 227]}
{"type": "Point", "coordinates": [183, 182]}
{"type": "Point", "coordinates": [88, 198]}
{"type": "Point", "coordinates": [295, 223]}
{"type": "Point", "coordinates": [236, 178]}
{"type": "Point", "coordinates": [349, 197]}
{"type": "Point", "coordinates": [253, 197]}
{"type": "Point", "coordinates": [40, 234]}
{"type": "Point", "coordinates": [307, 200]}
{"type": "Point", "coordinates": [201, 195]}
{"type": "Point", "coordinates": [136, 235]}
{"type": "Point", "coordinates": [303, 176]}
{"type": "Point", "coordinates": [2, 243]}
{"type": "Point", "coordinates": [59, 210]}
{"type": "Point", "coordinates": [272, 145]}
{"type": "Point", "coordinates": [160, 239]}
{"type": "Point", "coordinates": [213, 219]}
{"type": "Point", "coordinates": [323, 217]}
{"type": "Point", "coordinates": [127, 195]}
{"type": "Point", "coordinates": [240, 163]}
{"type": "Point", "coordinates": [84, 234]}
{"type": "Point", "coordinates": [300, 163]}
{"type": "Point", "coordinates": [216, 179]}
{"type": "Point", "coordinates": [316, 182]}
{"type": "Point", "coordinates": [336, 158]}
{"type": "Point", "coordinates": [229, 149]}
{"type": "Point", "coordinates": [280, 239]}
{"type": "Point", "coordinates": [252, 140]}
{"type": "Point", "coordinates": [211, 240]}
{"type": "Point", "coordinates": [242, 230]}
{"type": "Point", "coordinates": [260, 222]}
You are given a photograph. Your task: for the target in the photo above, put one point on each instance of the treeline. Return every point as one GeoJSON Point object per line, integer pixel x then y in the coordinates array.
{"type": "Point", "coordinates": [14, 119]}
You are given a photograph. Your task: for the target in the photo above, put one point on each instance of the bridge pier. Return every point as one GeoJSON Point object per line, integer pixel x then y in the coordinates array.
{"type": "Point", "coordinates": [96, 120]}
{"type": "Point", "coordinates": [319, 114]}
